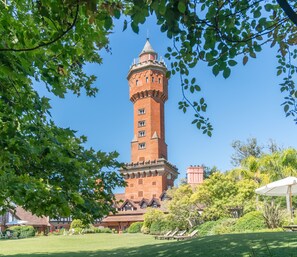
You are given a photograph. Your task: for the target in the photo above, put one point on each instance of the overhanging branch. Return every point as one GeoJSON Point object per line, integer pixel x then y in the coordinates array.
{"type": "Point", "coordinates": [49, 42]}
{"type": "Point", "coordinates": [288, 10]}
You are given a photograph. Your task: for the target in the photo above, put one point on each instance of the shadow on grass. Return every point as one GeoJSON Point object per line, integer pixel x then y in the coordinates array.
{"type": "Point", "coordinates": [257, 244]}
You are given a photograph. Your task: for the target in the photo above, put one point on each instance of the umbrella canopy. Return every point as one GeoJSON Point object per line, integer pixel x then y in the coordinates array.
{"type": "Point", "coordinates": [283, 187]}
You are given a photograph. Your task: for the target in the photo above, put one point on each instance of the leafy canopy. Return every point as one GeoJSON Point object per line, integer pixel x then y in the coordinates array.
{"type": "Point", "coordinates": [47, 169]}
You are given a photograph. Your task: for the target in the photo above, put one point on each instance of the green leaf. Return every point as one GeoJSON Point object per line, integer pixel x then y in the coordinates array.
{"type": "Point", "coordinates": [216, 70]}
{"type": "Point", "coordinates": [108, 23]}
{"type": "Point", "coordinates": [181, 6]}
{"type": "Point", "coordinates": [226, 72]}
{"type": "Point", "coordinates": [135, 27]}
{"type": "Point", "coordinates": [232, 63]}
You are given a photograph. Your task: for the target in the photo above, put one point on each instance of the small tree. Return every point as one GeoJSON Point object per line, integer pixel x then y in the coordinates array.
{"type": "Point", "coordinates": [152, 215]}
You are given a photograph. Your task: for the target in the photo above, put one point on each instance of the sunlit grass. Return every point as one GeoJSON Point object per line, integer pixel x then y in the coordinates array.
{"type": "Point", "coordinates": [100, 245]}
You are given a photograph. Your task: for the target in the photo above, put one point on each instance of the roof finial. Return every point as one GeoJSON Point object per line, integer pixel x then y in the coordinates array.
{"type": "Point", "coordinates": [147, 35]}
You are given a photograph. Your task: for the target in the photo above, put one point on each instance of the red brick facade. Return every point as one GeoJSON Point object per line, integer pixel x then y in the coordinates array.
{"type": "Point", "coordinates": [149, 174]}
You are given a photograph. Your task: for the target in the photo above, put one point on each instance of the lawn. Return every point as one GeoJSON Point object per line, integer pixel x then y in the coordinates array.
{"type": "Point", "coordinates": [281, 244]}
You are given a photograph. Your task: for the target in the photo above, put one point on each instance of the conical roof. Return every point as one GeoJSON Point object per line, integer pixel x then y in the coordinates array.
{"type": "Point", "coordinates": [147, 48]}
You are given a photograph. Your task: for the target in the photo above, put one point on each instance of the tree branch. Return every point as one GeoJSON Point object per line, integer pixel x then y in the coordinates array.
{"type": "Point", "coordinates": [288, 10]}
{"type": "Point", "coordinates": [49, 42]}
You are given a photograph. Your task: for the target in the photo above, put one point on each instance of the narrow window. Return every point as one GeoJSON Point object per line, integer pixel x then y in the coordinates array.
{"type": "Point", "coordinates": [153, 79]}
{"type": "Point", "coordinates": [159, 80]}
{"type": "Point", "coordinates": [141, 133]}
{"type": "Point", "coordinates": [141, 146]}
{"type": "Point", "coordinates": [141, 123]}
{"type": "Point", "coordinates": [141, 111]}
{"type": "Point", "coordinates": [136, 82]}
{"type": "Point", "coordinates": [146, 79]}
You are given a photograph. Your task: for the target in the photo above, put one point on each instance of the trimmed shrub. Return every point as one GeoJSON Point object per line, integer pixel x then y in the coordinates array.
{"type": "Point", "coordinates": [76, 223]}
{"type": "Point", "coordinates": [145, 230]}
{"type": "Point", "coordinates": [23, 231]}
{"type": "Point", "coordinates": [102, 230]}
{"type": "Point", "coordinates": [135, 227]}
{"type": "Point", "coordinates": [251, 221]}
{"type": "Point", "coordinates": [223, 226]}
{"type": "Point", "coordinates": [158, 227]}
{"type": "Point", "coordinates": [206, 228]}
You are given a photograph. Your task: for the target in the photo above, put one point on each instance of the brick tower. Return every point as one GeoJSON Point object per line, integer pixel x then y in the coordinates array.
{"type": "Point", "coordinates": [149, 174]}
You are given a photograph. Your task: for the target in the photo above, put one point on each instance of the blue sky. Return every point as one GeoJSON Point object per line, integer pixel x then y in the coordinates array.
{"type": "Point", "coordinates": [245, 105]}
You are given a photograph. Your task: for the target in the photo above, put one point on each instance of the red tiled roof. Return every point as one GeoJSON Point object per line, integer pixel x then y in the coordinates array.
{"type": "Point", "coordinates": [32, 219]}
{"type": "Point", "coordinates": [123, 218]}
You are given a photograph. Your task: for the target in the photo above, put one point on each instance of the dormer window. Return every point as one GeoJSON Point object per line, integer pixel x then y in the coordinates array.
{"type": "Point", "coordinates": [128, 207]}
{"type": "Point", "coordinates": [143, 205]}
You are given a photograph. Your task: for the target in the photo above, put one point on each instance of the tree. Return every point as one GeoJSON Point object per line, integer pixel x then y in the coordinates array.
{"type": "Point", "coordinates": [244, 150]}
{"type": "Point", "coordinates": [279, 165]}
{"type": "Point", "coordinates": [44, 168]}
{"type": "Point", "coordinates": [217, 195]}
{"type": "Point", "coordinates": [208, 171]}
{"type": "Point", "coordinates": [222, 34]}
{"type": "Point", "coordinates": [182, 211]}
{"type": "Point", "coordinates": [47, 169]}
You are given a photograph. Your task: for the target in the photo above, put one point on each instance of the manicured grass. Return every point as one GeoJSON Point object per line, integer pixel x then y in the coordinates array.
{"type": "Point", "coordinates": [281, 244]}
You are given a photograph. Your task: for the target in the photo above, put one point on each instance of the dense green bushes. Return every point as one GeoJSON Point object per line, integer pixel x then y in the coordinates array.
{"type": "Point", "coordinates": [221, 226]}
{"type": "Point", "coordinates": [135, 227]}
{"type": "Point", "coordinates": [23, 231]}
{"type": "Point", "coordinates": [252, 221]}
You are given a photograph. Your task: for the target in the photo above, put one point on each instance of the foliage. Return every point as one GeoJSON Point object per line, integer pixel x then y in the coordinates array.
{"type": "Point", "coordinates": [244, 150]}
{"type": "Point", "coordinates": [183, 212]}
{"type": "Point", "coordinates": [46, 169]}
{"type": "Point", "coordinates": [222, 34]}
{"type": "Point", "coordinates": [23, 231]}
{"type": "Point", "coordinates": [206, 228]}
{"type": "Point", "coordinates": [145, 230]}
{"type": "Point", "coordinates": [152, 215]}
{"type": "Point", "coordinates": [273, 215]}
{"type": "Point", "coordinates": [158, 227]}
{"type": "Point", "coordinates": [102, 230]}
{"type": "Point", "coordinates": [221, 226]}
{"type": "Point", "coordinates": [135, 227]}
{"type": "Point", "coordinates": [251, 221]}
{"type": "Point", "coordinates": [76, 223]}
{"type": "Point", "coordinates": [246, 197]}
{"type": "Point", "coordinates": [280, 164]}
{"type": "Point", "coordinates": [217, 195]}
{"type": "Point", "coordinates": [209, 171]}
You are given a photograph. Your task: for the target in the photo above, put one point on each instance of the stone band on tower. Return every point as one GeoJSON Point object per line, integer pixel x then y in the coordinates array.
{"type": "Point", "coordinates": [149, 174]}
